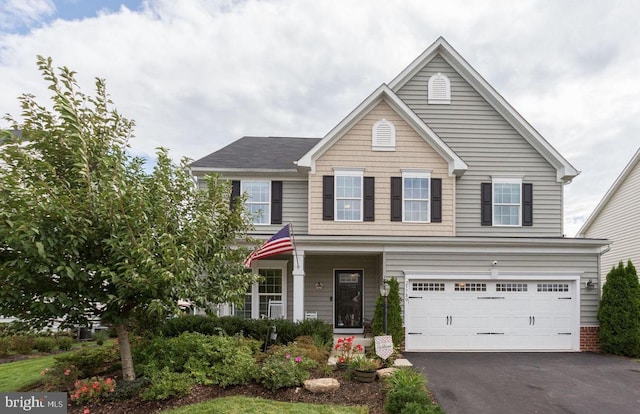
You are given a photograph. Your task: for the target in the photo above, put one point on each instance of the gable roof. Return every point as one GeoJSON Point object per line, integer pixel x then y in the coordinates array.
{"type": "Point", "coordinates": [610, 193]}
{"type": "Point", "coordinates": [456, 165]}
{"type": "Point", "coordinates": [564, 170]}
{"type": "Point", "coordinates": [261, 153]}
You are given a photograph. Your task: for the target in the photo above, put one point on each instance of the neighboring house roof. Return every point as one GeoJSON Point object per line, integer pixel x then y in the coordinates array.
{"type": "Point", "coordinates": [612, 191]}
{"type": "Point", "coordinates": [456, 165]}
{"type": "Point", "coordinates": [565, 171]}
{"type": "Point", "coordinates": [256, 154]}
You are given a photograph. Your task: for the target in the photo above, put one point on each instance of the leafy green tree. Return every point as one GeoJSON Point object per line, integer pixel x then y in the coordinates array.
{"type": "Point", "coordinates": [619, 312]}
{"type": "Point", "coordinates": [86, 232]}
{"type": "Point", "coordinates": [394, 314]}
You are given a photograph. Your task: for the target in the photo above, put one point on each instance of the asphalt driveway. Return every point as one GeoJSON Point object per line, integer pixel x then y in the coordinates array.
{"type": "Point", "coordinates": [522, 383]}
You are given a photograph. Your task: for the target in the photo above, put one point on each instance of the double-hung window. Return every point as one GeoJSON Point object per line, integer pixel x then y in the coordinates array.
{"type": "Point", "coordinates": [258, 203]}
{"type": "Point", "coordinates": [415, 196]}
{"type": "Point", "coordinates": [272, 287]}
{"type": "Point", "coordinates": [507, 201]}
{"type": "Point", "coordinates": [348, 191]}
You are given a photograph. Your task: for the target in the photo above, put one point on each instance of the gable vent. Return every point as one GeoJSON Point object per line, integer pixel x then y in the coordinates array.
{"type": "Point", "coordinates": [439, 89]}
{"type": "Point", "coordinates": [383, 136]}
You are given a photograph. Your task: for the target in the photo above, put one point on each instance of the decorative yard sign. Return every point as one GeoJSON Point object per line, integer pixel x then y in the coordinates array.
{"type": "Point", "coordinates": [384, 346]}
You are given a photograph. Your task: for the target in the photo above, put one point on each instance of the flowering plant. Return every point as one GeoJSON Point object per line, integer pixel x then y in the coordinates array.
{"type": "Point", "coordinates": [346, 349]}
{"type": "Point", "coordinates": [60, 377]}
{"type": "Point", "coordinates": [362, 363]}
{"type": "Point", "coordinates": [92, 389]}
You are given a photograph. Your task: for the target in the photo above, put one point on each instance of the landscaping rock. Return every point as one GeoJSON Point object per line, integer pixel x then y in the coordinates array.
{"type": "Point", "coordinates": [321, 385]}
{"type": "Point", "coordinates": [386, 372]}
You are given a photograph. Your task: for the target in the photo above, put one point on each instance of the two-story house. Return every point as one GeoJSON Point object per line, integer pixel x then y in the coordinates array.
{"type": "Point", "coordinates": [435, 180]}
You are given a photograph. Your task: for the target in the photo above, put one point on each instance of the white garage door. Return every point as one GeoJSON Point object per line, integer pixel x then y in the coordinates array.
{"type": "Point", "coordinates": [490, 315]}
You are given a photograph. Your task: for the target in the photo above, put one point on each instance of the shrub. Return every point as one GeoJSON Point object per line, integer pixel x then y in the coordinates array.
{"type": "Point", "coordinates": [126, 390]}
{"type": "Point", "coordinates": [282, 369]}
{"type": "Point", "coordinates": [307, 347]}
{"type": "Point", "coordinates": [415, 407]}
{"type": "Point", "coordinates": [61, 377]}
{"type": "Point", "coordinates": [5, 345]}
{"type": "Point", "coordinates": [100, 337]}
{"type": "Point", "coordinates": [206, 325]}
{"type": "Point", "coordinates": [219, 360]}
{"type": "Point", "coordinates": [22, 344]}
{"type": "Point", "coordinates": [167, 384]}
{"type": "Point", "coordinates": [44, 344]}
{"type": "Point", "coordinates": [89, 361]}
{"type": "Point", "coordinates": [407, 386]}
{"type": "Point", "coordinates": [64, 343]}
{"type": "Point", "coordinates": [619, 312]}
{"type": "Point", "coordinates": [92, 390]}
{"type": "Point", "coordinates": [394, 314]}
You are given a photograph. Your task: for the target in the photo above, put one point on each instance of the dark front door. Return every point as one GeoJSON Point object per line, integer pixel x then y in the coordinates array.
{"type": "Point", "coordinates": [348, 299]}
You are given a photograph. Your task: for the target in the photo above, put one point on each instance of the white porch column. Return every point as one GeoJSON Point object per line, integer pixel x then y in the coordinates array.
{"type": "Point", "coordinates": [298, 286]}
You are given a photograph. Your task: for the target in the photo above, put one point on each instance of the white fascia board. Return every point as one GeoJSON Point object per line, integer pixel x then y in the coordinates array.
{"type": "Point", "coordinates": [448, 274]}
{"type": "Point", "coordinates": [565, 172]}
{"type": "Point", "coordinates": [383, 92]}
{"type": "Point", "coordinates": [609, 194]}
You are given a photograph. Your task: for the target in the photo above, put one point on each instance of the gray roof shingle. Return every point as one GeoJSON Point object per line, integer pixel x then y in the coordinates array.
{"type": "Point", "coordinates": [270, 153]}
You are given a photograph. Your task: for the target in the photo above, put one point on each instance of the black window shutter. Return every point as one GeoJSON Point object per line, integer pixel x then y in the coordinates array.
{"type": "Point", "coordinates": [436, 200]}
{"type": "Point", "coordinates": [527, 204]}
{"type": "Point", "coordinates": [396, 198]}
{"type": "Point", "coordinates": [327, 197]}
{"type": "Point", "coordinates": [276, 202]}
{"type": "Point", "coordinates": [369, 199]}
{"type": "Point", "coordinates": [486, 201]}
{"type": "Point", "coordinates": [235, 192]}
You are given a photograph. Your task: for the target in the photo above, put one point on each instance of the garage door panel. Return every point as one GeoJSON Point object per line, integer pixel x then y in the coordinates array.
{"type": "Point", "coordinates": [493, 315]}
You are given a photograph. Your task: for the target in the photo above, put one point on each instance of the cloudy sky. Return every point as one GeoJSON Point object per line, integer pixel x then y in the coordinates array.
{"type": "Point", "coordinates": [198, 74]}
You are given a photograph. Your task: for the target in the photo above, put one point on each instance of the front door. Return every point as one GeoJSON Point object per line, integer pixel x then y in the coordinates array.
{"type": "Point", "coordinates": [348, 301]}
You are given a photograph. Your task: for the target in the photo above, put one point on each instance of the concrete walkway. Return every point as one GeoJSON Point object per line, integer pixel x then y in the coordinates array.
{"type": "Point", "coordinates": [522, 383]}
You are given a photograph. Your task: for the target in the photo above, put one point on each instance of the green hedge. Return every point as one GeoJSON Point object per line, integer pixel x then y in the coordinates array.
{"type": "Point", "coordinates": [257, 329]}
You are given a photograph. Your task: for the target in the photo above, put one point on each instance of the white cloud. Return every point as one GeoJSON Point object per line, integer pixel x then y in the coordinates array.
{"type": "Point", "coordinates": [196, 75]}
{"type": "Point", "coordinates": [18, 13]}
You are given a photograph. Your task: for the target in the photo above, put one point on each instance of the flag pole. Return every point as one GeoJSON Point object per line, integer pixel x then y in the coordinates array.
{"type": "Point", "coordinates": [293, 240]}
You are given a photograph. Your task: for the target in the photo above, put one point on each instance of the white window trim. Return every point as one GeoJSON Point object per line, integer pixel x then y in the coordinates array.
{"type": "Point", "coordinates": [348, 172]}
{"type": "Point", "coordinates": [416, 174]}
{"type": "Point", "coordinates": [375, 144]}
{"type": "Point", "coordinates": [439, 101]}
{"type": "Point", "coordinates": [268, 215]}
{"type": "Point", "coordinates": [255, 288]}
{"type": "Point", "coordinates": [505, 180]}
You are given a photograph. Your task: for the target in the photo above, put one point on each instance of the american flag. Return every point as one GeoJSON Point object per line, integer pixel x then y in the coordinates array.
{"type": "Point", "coordinates": [279, 243]}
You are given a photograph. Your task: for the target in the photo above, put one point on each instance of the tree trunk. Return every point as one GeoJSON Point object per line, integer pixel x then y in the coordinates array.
{"type": "Point", "coordinates": [128, 374]}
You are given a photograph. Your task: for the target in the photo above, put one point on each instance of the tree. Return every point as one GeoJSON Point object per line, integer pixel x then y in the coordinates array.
{"type": "Point", "coordinates": [619, 312]}
{"type": "Point", "coordinates": [394, 314]}
{"type": "Point", "coordinates": [86, 233]}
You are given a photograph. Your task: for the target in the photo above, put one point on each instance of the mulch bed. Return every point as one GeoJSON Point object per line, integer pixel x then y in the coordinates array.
{"type": "Point", "coordinates": [350, 393]}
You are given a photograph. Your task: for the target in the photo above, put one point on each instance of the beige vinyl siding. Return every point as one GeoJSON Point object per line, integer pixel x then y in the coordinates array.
{"type": "Point", "coordinates": [353, 150]}
{"type": "Point", "coordinates": [585, 264]}
{"type": "Point", "coordinates": [490, 146]}
{"type": "Point", "coordinates": [294, 202]}
{"type": "Point", "coordinates": [321, 269]}
{"type": "Point", "coordinates": [619, 221]}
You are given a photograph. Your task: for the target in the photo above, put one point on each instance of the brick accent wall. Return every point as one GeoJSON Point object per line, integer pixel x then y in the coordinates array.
{"type": "Point", "coordinates": [590, 339]}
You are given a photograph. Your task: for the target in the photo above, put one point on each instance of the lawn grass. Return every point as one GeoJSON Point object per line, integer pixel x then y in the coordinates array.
{"type": "Point", "coordinates": [17, 375]}
{"type": "Point", "coordinates": [246, 405]}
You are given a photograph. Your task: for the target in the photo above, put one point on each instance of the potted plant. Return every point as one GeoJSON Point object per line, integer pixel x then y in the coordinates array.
{"type": "Point", "coordinates": [346, 349]}
{"type": "Point", "coordinates": [364, 368]}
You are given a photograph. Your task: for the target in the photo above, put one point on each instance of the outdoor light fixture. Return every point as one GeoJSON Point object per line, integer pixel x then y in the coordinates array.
{"type": "Point", "coordinates": [590, 285]}
{"type": "Point", "coordinates": [319, 285]}
{"type": "Point", "coordinates": [384, 292]}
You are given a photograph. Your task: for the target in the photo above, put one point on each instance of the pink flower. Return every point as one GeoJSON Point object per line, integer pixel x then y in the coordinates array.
{"type": "Point", "coordinates": [86, 411]}
{"type": "Point", "coordinates": [288, 356]}
{"type": "Point", "coordinates": [108, 381]}
{"type": "Point", "coordinates": [298, 359]}
{"type": "Point", "coordinates": [67, 371]}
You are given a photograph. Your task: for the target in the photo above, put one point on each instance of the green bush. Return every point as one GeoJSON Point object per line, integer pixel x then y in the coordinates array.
{"type": "Point", "coordinates": [22, 344]}
{"type": "Point", "coordinates": [89, 361]}
{"type": "Point", "coordinates": [64, 343]}
{"type": "Point", "coordinates": [61, 377]}
{"type": "Point", "coordinates": [166, 384]}
{"type": "Point", "coordinates": [285, 369]}
{"type": "Point", "coordinates": [45, 344]}
{"type": "Point", "coordinates": [126, 390]}
{"type": "Point", "coordinates": [219, 360]}
{"type": "Point", "coordinates": [407, 390]}
{"type": "Point", "coordinates": [415, 407]}
{"type": "Point", "coordinates": [256, 329]}
{"type": "Point", "coordinates": [100, 337]}
{"type": "Point", "coordinates": [619, 312]}
{"type": "Point", "coordinates": [5, 345]}
{"type": "Point", "coordinates": [394, 314]}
